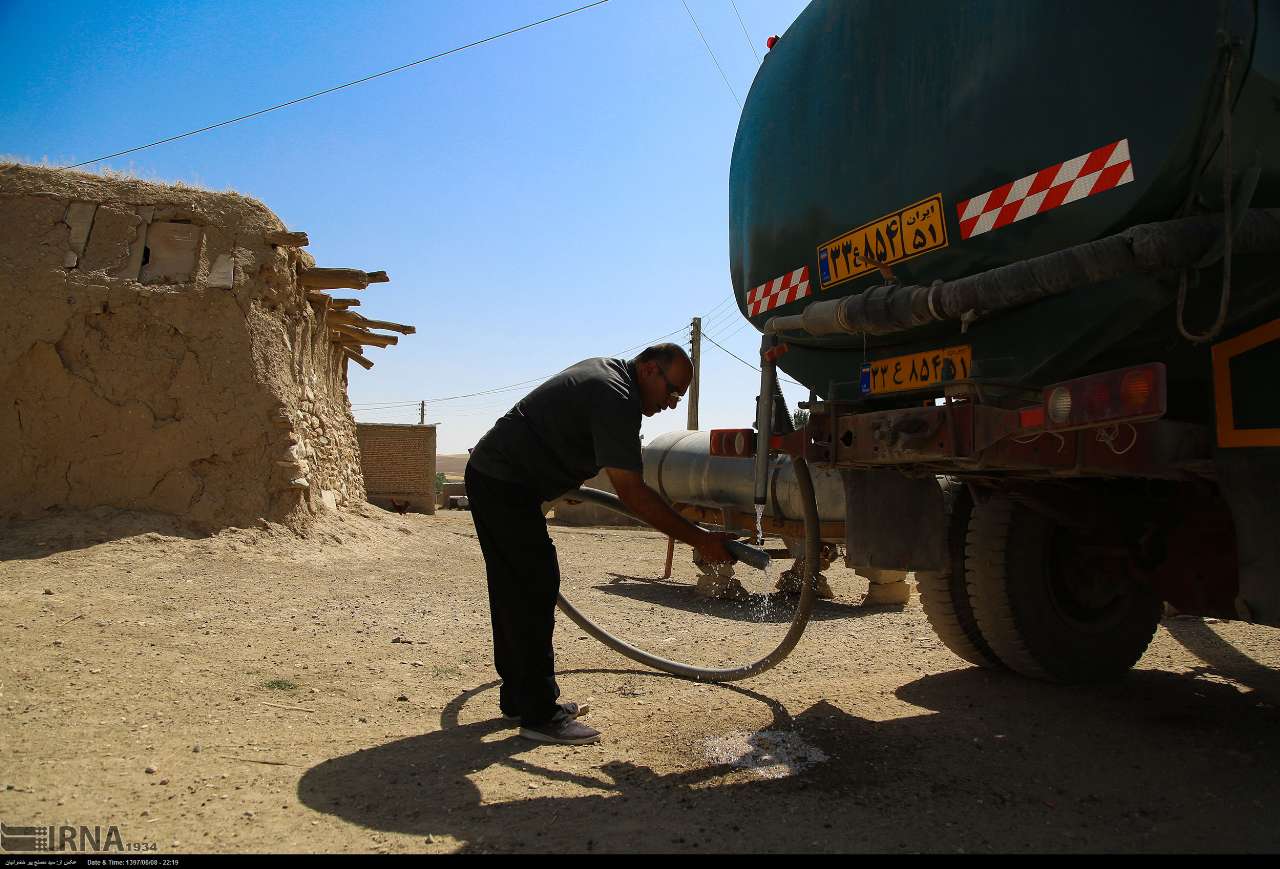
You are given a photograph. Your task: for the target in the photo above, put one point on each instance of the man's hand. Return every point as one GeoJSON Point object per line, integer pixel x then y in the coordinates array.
{"type": "Point", "coordinates": [649, 506]}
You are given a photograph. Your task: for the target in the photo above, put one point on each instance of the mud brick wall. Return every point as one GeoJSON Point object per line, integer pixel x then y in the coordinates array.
{"type": "Point", "coordinates": [158, 353]}
{"type": "Point", "coordinates": [399, 461]}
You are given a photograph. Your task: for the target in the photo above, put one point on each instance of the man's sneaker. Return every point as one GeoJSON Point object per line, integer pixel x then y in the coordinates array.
{"type": "Point", "coordinates": [562, 730]}
{"type": "Point", "coordinates": [573, 710]}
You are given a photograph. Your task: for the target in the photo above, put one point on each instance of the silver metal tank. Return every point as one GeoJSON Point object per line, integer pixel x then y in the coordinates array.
{"type": "Point", "coordinates": [680, 467]}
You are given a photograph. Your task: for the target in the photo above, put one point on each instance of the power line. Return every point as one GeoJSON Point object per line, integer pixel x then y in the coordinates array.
{"type": "Point", "coordinates": [718, 327]}
{"type": "Point", "coordinates": [545, 376]}
{"type": "Point", "coordinates": [718, 330]}
{"type": "Point", "coordinates": [731, 353]}
{"type": "Point", "coordinates": [727, 335]}
{"type": "Point", "coordinates": [750, 43]}
{"type": "Point", "coordinates": [731, 297]}
{"type": "Point", "coordinates": [725, 311]}
{"type": "Point", "coordinates": [654, 340]}
{"type": "Point", "coordinates": [730, 327]}
{"type": "Point", "coordinates": [294, 102]}
{"type": "Point", "coordinates": [723, 320]}
{"type": "Point", "coordinates": [743, 361]}
{"type": "Point", "coordinates": [497, 389]}
{"type": "Point", "coordinates": [713, 315]}
{"type": "Point", "coordinates": [491, 391]}
{"type": "Point", "coordinates": [713, 55]}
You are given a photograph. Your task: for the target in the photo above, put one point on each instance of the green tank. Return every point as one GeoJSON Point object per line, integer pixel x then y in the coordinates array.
{"type": "Point", "coordinates": [944, 139]}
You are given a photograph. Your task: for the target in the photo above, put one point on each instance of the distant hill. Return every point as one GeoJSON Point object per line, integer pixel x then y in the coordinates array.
{"type": "Point", "coordinates": [451, 465]}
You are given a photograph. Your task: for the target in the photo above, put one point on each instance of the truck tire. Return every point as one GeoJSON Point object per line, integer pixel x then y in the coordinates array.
{"type": "Point", "coordinates": [945, 595]}
{"type": "Point", "coordinates": [1042, 615]}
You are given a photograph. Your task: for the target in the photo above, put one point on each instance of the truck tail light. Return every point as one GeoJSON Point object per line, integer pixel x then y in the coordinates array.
{"type": "Point", "coordinates": [739, 443]}
{"type": "Point", "coordinates": [1135, 388]}
{"type": "Point", "coordinates": [1031, 417]}
{"type": "Point", "coordinates": [1058, 406]}
{"type": "Point", "coordinates": [1125, 395]}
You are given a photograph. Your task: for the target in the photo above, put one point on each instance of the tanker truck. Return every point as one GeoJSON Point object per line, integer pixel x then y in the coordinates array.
{"type": "Point", "coordinates": [1025, 255]}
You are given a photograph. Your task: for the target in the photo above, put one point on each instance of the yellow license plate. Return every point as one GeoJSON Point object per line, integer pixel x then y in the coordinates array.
{"type": "Point", "coordinates": [922, 370]}
{"type": "Point", "coordinates": [891, 239]}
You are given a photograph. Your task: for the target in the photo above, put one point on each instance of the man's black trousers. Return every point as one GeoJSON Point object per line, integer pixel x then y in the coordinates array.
{"type": "Point", "coordinates": [524, 579]}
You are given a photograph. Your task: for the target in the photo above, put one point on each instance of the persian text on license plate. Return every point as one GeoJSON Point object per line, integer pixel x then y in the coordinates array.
{"type": "Point", "coordinates": [916, 370]}
{"type": "Point", "coordinates": [891, 239]}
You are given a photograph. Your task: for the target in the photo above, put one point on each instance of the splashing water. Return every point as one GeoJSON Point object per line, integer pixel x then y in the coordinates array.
{"type": "Point", "coordinates": [762, 604]}
{"type": "Point", "coordinates": [763, 610]}
{"type": "Point", "coordinates": [767, 753]}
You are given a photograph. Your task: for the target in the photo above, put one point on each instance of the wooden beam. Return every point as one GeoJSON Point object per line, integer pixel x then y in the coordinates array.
{"type": "Point", "coordinates": [351, 318]}
{"type": "Point", "coordinates": [390, 327]}
{"type": "Point", "coordinates": [335, 279]}
{"type": "Point", "coordinates": [284, 238]}
{"type": "Point", "coordinates": [354, 356]}
{"type": "Point", "coordinates": [344, 303]}
{"type": "Point", "coordinates": [378, 278]}
{"type": "Point", "coordinates": [366, 337]}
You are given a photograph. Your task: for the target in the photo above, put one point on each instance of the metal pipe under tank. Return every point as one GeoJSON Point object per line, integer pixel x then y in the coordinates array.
{"type": "Point", "coordinates": [680, 467]}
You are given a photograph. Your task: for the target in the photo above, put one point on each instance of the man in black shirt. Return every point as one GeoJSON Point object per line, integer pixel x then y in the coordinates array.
{"type": "Point", "coordinates": [585, 418]}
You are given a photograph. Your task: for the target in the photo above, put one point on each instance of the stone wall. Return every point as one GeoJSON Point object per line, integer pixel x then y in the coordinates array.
{"type": "Point", "coordinates": [158, 352]}
{"type": "Point", "coordinates": [399, 463]}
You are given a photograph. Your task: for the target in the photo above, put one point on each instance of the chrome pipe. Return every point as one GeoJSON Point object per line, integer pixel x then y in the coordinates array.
{"type": "Point", "coordinates": [679, 466]}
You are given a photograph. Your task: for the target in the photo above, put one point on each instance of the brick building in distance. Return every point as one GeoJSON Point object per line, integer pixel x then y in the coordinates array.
{"type": "Point", "coordinates": [399, 465]}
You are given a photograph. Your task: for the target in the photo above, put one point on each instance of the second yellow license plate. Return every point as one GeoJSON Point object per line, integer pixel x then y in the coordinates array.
{"type": "Point", "coordinates": [922, 370]}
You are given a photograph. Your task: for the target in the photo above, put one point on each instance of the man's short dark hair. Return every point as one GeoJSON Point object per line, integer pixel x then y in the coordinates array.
{"type": "Point", "coordinates": [664, 355]}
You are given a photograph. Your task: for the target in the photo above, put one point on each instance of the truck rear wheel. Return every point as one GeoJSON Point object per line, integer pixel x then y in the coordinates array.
{"type": "Point", "coordinates": [1046, 609]}
{"type": "Point", "coordinates": [944, 595]}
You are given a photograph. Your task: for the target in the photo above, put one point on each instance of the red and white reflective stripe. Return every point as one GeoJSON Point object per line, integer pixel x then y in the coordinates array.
{"type": "Point", "coordinates": [1080, 177]}
{"type": "Point", "coordinates": [779, 291]}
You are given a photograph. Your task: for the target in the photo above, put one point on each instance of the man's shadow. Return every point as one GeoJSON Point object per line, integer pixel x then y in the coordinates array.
{"type": "Point", "coordinates": [1157, 761]}
{"type": "Point", "coordinates": [420, 785]}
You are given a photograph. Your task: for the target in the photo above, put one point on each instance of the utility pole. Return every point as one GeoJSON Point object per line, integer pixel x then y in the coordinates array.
{"type": "Point", "coordinates": [422, 412]}
{"type": "Point", "coordinates": [696, 358]}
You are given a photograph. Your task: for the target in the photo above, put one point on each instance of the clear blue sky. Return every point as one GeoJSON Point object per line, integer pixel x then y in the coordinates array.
{"type": "Point", "coordinates": [557, 194]}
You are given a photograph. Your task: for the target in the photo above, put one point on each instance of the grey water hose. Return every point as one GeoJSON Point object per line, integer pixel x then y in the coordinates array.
{"type": "Point", "coordinates": [804, 608]}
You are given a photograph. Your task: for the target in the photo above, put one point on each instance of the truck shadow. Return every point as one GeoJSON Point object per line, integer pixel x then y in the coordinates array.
{"type": "Point", "coordinates": [775, 608]}
{"type": "Point", "coordinates": [1223, 658]}
{"type": "Point", "coordinates": [984, 761]}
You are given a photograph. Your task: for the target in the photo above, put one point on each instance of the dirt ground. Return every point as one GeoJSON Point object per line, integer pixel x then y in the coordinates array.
{"type": "Point", "coordinates": [254, 692]}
